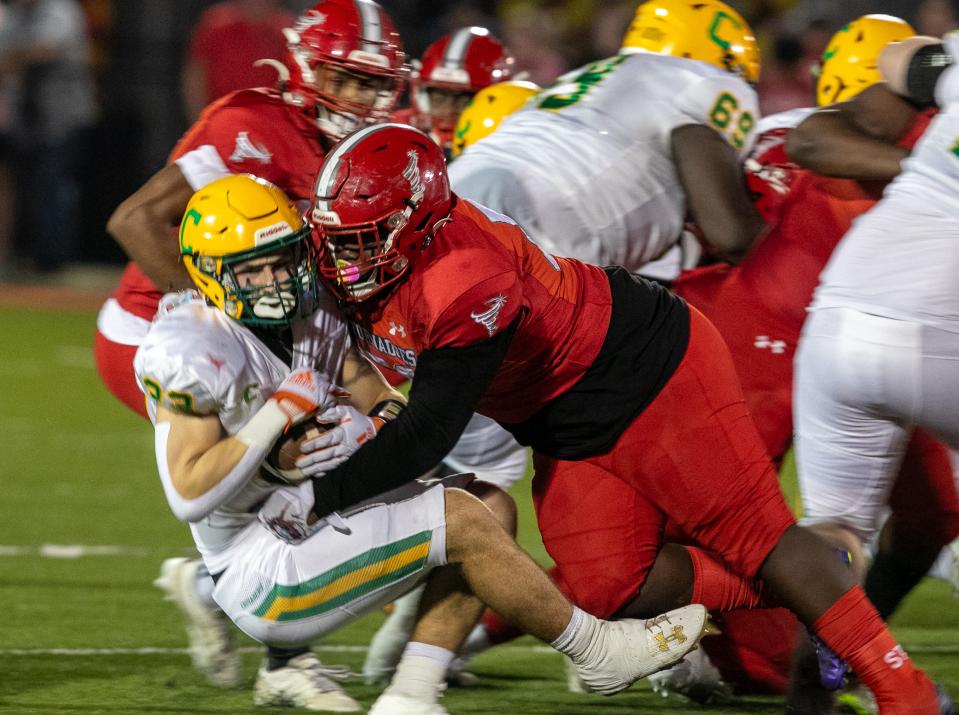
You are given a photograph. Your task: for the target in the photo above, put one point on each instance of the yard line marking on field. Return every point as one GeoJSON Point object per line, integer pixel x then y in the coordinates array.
{"type": "Point", "coordinates": [72, 551]}
{"type": "Point", "coordinates": [930, 649]}
{"type": "Point", "coordinates": [152, 650]}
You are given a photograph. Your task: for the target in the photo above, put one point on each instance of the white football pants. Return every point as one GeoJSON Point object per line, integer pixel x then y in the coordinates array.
{"type": "Point", "coordinates": [863, 382]}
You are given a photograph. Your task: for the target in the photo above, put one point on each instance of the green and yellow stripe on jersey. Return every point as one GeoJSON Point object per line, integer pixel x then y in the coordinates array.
{"type": "Point", "coordinates": [347, 582]}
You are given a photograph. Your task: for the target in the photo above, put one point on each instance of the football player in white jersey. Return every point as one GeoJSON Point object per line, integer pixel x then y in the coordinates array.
{"type": "Point", "coordinates": [232, 368]}
{"type": "Point", "coordinates": [878, 352]}
{"type": "Point", "coordinates": [608, 162]}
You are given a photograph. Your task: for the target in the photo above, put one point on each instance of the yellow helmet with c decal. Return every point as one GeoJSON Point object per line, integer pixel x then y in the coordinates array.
{"type": "Point", "coordinates": [706, 30]}
{"type": "Point", "coordinates": [249, 252]}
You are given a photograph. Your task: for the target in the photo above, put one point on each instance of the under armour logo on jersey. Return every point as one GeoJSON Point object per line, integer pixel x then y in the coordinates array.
{"type": "Point", "coordinates": [489, 317]}
{"type": "Point", "coordinates": [246, 149]}
{"type": "Point", "coordinates": [397, 329]}
{"type": "Point", "coordinates": [775, 346]}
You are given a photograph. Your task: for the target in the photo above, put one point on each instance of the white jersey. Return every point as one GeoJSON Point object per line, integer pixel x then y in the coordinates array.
{"type": "Point", "coordinates": [900, 260]}
{"type": "Point", "coordinates": [197, 360]}
{"type": "Point", "coordinates": [587, 168]}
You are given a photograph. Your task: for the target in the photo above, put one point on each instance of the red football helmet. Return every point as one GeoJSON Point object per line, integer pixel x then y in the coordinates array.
{"type": "Point", "coordinates": [452, 70]}
{"type": "Point", "coordinates": [353, 37]}
{"type": "Point", "coordinates": [380, 196]}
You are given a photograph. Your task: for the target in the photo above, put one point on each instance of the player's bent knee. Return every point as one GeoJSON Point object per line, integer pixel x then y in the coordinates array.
{"type": "Point", "coordinates": [498, 501]}
{"type": "Point", "coordinates": [468, 524]}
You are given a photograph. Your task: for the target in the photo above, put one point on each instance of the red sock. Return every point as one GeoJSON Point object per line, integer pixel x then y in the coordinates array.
{"type": "Point", "coordinates": [497, 630]}
{"type": "Point", "coordinates": [854, 630]}
{"type": "Point", "coordinates": [717, 588]}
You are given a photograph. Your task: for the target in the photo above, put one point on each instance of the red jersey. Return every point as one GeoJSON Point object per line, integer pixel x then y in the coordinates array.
{"type": "Point", "coordinates": [253, 132]}
{"type": "Point", "coordinates": [808, 214]}
{"type": "Point", "coordinates": [759, 306]}
{"type": "Point", "coordinates": [480, 274]}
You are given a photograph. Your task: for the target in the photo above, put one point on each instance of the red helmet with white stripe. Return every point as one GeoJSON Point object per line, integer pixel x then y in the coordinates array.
{"type": "Point", "coordinates": [452, 70]}
{"type": "Point", "coordinates": [380, 196]}
{"type": "Point", "coordinates": [345, 60]}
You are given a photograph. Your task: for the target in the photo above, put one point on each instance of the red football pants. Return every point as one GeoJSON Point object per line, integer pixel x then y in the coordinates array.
{"type": "Point", "coordinates": [115, 367]}
{"type": "Point", "coordinates": [692, 457]}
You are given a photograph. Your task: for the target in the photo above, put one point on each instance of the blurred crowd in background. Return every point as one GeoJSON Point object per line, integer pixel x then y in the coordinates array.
{"type": "Point", "coordinates": [95, 93]}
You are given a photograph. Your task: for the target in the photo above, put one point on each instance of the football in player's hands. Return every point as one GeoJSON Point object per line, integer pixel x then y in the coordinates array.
{"type": "Point", "coordinates": [283, 456]}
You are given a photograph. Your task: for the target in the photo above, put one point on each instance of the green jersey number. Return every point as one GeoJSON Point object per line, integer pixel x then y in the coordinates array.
{"type": "Point", "coordinates": [733, 123]}
{"type": "Point", "coordinates": [568, 92]}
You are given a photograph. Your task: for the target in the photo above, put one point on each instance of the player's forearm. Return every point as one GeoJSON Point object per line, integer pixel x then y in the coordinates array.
{"type": "Point", "coordinates": [148, 241]}
{"type": "Point", "coordinates": [446, 389]}
{"type": "Point", "coordinates": [827, 144]}
{"type": "Point", "coordinates": [711, 176]}
{"type": "Point", "coordinates": [366, 385]}
{"type": "Point", "coordinates": [145, 227]}
{"type": "Point", "coordinates": [198, 478]}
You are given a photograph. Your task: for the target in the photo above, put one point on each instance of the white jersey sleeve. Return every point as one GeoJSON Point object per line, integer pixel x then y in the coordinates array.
{"type": "Point", "coordinates": [190, 360]}
{"type": "Point", "coordinates": [723, 102]}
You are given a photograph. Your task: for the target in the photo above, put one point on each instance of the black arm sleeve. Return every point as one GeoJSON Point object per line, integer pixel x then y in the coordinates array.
{"type": "Point", "coordinates": [925, 67]}
{"type": "Point", "coordinates": [447, 386]}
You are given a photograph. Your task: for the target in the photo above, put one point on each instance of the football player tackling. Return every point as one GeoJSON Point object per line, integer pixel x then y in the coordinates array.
{"type": "Point", "coordinates": [607, 377]}
{"type": "Point", "coordinates": [229, 370]}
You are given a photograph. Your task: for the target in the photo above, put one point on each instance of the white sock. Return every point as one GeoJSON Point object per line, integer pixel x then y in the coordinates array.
{"type": "Point", "coordinates": [579, 635]}
{"type": "Point", "coordinates": [421, 673]}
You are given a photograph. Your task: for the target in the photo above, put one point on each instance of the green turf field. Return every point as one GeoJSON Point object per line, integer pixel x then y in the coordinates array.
{"type": "Point", "coordinates": [88, 633]}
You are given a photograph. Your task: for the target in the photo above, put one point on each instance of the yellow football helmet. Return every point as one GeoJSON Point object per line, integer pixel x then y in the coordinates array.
{"type": "Point", "coordinates": [848, 65]}
{"type": "Point", "coordinates": [249, 251]}
{"type": "Point", "coordinates": [706, 30]}
{"type": "Point", "coordinates": [487, 109]}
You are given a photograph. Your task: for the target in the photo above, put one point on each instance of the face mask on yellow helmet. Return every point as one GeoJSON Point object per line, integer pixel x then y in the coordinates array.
{"type": "Point", "coordinates": [249, 252]}
{"type": "Point", "coordinates": [487, 109]}
{"type": "Point", "coordinates": [705, 30]}
{"type": "Point", "coordinates": [848, 65]}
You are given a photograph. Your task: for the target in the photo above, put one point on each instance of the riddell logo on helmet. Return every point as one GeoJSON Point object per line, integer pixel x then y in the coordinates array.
{"type": "Point", "coordinates": [369, 58]}
{"type": "Point", "coordinates": [271, 233]}
{"type": "Point", "coordinates": [325, 218]}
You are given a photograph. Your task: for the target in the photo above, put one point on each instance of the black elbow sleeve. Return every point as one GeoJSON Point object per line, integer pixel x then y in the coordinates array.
{"type": "Point", "coordinates": [924, 71]}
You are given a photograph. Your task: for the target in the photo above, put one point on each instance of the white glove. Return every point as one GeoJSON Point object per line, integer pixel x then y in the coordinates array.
{"type": "Point", "coordinates": [329, 450]}
{"type": "Point", "coordinates": [302, 393]}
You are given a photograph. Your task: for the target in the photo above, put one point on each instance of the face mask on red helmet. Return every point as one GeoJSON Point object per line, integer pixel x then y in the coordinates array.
{"type": "Point", "coordinates": [452, 70]}
{"type": "Point", "coordinates": [380, 196]}
{"type": "Point", "coordinates": [344, 63]}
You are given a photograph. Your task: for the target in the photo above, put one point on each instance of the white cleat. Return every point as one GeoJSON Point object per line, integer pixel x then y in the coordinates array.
{"type": "Point", "coordinates": [694, 678]}
{"type": "Point", "coordinates": [208, 629]}
{"type": "Point", "coordinates": [574, 683]}
{"type": "Point", "coordinates": [304, 682]}
{"type": "Point", "coordinates": [628, 650]}
{"type": "Point", "coordinates": [388, 704]}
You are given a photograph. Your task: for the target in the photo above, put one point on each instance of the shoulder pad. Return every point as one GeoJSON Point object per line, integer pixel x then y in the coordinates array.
{"type": "Point", "coordinates": [190, 358]}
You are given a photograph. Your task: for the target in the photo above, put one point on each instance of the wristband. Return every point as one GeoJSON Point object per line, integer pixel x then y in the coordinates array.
{"type": "Point", "coordinates": [385, 411]}
{"type": "Point", "coordinates": [264, 427]}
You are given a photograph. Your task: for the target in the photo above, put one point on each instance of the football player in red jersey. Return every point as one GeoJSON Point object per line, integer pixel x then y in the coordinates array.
{"type": "Point", "coordinates": [451, 71]}
{"type": "Point", "coordinates": [344, 69]}
{"type": "Point", "coordinates": [608, 377]}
